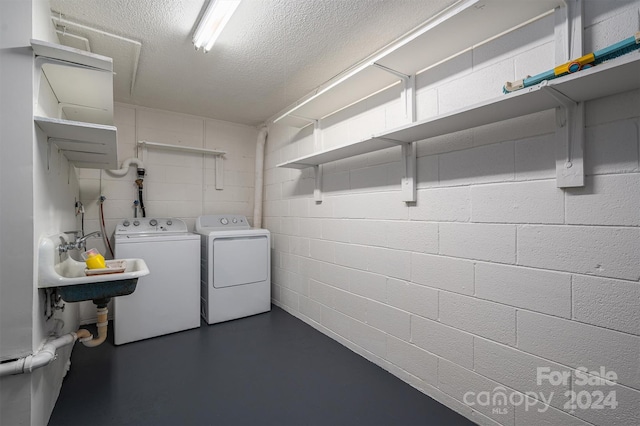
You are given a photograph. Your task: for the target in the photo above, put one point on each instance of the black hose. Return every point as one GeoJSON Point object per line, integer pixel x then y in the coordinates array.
{"type": "Point", "coordinates": [144, 214]}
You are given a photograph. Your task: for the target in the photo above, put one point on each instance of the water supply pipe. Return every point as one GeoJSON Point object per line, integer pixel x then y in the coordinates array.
{"type": "Point", "coordinates": [259, 177]}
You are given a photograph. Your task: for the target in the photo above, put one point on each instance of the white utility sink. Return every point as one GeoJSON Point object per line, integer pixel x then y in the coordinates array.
{"type": "Point", "coordinates": [67, 275]}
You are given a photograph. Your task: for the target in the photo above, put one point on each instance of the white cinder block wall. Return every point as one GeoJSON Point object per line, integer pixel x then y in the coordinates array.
{"type": "Point", "coordinates": [177, 184]}
{"type": "Point", "coordinates": [495, 271]}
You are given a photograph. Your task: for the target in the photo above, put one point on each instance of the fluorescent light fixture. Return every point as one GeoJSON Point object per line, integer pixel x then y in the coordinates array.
{"type": "Point", "coordinates": [212, 23]}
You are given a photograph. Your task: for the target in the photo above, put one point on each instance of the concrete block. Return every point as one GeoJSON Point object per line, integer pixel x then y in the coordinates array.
{"type": "Point", "coordinates": [515, 129]}
{"type": "Point", "coordinates": [321, 293]}
{"type": "Point", "coordinates": [273, 192]}
{"type": "Point", "coordinates": [600, 411]}
{"type": "Point", "coordinates": [479, 241]}
{"type": "Point", "coordinates": [335, 230]}
{"type": "Point", "coordinates": [350, 304]}
{"type": "Point", "coordinates": [420, 237]}
{"type": "Point", "coordinates": [388, 319]}
{"type": "Point", "coordinates": [519, 371]}
{"type": "Point", "coordinates": [372, 286]}
{"type": "Point", "coordinates": [369, 338]}
{"type": "Point", "coordinates": [613, 108]}
{"type": "Point", "coordinates": [322, 250]}
{"type": "Point", "coordinates": [603, 251]}
{"type": "Point", "coordinates": [518, 202]}
{"type": "Point", "coordinates": [379, 205]}
{"type": "Point", "coordinates": [536, 157]}
{"type": "Point", "coordinates": [353, 256]}
{"type": "Point", "coordinates": [442, 272]}
{"type": "Point", "coordinates": [442, 204]}
{"type": "Point", "coordinates": [445, 143]}
{"type": "Point", "coordinates": [611, 148]}
{"type": "Point", "coordinates": [482, 84]}
{"type": "Point", "coordinates": [605, 200]}
{"type": "Point", "coordinates": [534, 289]}
{"type": "Point", "coordinates": [412, 359]}
{"type": "Point", "coordinates": [334, 275]}
{"type": "Point", "coordinates": [484, 164]}
{"type": "Point", "coordinates": [299, 246]}
{"type": "Point", "coordinates": [465, 385]}
{"type": "Point", "coordinates": [336, 322]}
{"type": "Point", "coordinates": [607, 303]}
{"type": "Point", "coordinates": [336, 183]}
{"type": "Point", "coordinates": [310, 308]}
{"type": "Point", "coordinates": [392, 263]}
{"type": "Point", "coordinates": [310, 227]}
{"type": "Point", "coordinates": [539, 59]}
{"type": "Point", "coordinates": [427, 171]}
{"type": "Point", "coordinates": [580, 345]}
{"type": "Point", "coordinates": [491, 320]}
{"type": "Point", "coordinates": [367, 232]}
{"type": "Point", "coordinates": [541, 414]}
{"type": "Point", "coordinates": [289, 298]}
{"type": "Point", "coordinates": [299, 207]}
{"type": "Point", "coordinates": [426, 103]}
{"type": "Point", "coordinates": [370, 178]}
{"type": "Point", "coordinates": [290, 226]}
{"type": "Point", "coordinates": [446, 342]}
{"type": "Point", "coordinates": [413, 298]}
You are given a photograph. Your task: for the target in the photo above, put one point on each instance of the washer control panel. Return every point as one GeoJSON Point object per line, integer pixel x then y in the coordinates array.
{"type": "Point", "coordinates": [147, 225]}
{"type": "Point", "coordinates": [222, 221]}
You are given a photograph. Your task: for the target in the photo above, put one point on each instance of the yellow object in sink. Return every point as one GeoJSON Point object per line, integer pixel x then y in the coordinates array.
{"type": "Point", "coordinates": [94, 259]}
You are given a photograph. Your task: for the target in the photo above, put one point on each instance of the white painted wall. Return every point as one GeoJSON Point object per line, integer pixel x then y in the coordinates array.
{"type": "Point", "coordinates": [38, 188]}
{"type": "Point", "coordinates": [177, 184]}
{"type": "Point", "coordinates": [494, 271]}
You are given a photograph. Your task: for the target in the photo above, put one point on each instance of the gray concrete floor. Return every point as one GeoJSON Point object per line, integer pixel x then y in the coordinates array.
{"type": "Point", "coordinates": [269, 369]}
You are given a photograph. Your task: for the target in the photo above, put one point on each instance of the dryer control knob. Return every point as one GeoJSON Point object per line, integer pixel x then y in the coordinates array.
{"type": "Point", "coordinates": [136, 223]}
{"type": "Point", "coordinates": [235, 220]}
{"type": "Point", "coordinates": [126, 223]}
{"type": "Point", "coordinates": [224, 221]}
{"type": "Point", "coordinates": [169, 223]}
{"type": "Point", "coordinates": [153, 222]}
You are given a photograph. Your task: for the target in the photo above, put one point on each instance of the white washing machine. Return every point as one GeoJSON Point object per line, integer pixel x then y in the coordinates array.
{"type": "Point", "coordinates": [235, 268]}
{"type": "Point", "coordinates": [168, 299]}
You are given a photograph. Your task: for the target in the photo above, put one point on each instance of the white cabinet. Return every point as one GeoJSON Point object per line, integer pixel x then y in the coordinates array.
{"type": "Point", "coordinates": [79, 118]}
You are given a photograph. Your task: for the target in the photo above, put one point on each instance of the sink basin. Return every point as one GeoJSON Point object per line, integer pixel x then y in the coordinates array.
{"type": "Point", "coordinates": [67, 275]}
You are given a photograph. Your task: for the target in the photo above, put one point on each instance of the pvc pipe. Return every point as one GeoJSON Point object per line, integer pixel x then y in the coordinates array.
{"type": "Point", "coordinates": [102, 330]}
{"type": "Point", "coordinates": [259, 177]}
{"type": "Point", "coordinates": [39, 359]}
{"type": "Point", "coordinates": [48, 352]}
{"type": "Point", "coordinates": [125, 166]}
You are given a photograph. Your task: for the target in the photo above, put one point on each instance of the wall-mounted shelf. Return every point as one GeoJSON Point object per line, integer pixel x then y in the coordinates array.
{"type": "Point", "coordinates": [84, 144]}
{"type": "Point", "coordinates": [81, 124]}
{"type": "Point", "coordinates": [453, 31]}
{"type": "Point", "coordinates": [215, 152]}
{"type": "Point", "coordinates": [616, 76]}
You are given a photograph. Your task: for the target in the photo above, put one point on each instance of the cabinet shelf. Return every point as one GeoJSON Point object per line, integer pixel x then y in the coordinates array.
{"type": "Point", "coordinates": [77, 113]}
{"type": "Point", "coordinates": [451, 32]}
{"type": "Point", "coordinates": [616, 76]}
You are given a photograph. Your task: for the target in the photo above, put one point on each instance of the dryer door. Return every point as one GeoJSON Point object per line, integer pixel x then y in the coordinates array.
{"type": "Point", "coordinates": [240, 260]}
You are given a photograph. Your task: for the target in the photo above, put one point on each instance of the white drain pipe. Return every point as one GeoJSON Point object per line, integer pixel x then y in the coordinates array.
{"type": "Point", "coordinates": [39, 359]}
{"type": "Point", "coordinates": [257, 199]}
{"type": "Point", "coordinates": [124, 169]}
{"type": "Point", "coordinates": [48, 352]}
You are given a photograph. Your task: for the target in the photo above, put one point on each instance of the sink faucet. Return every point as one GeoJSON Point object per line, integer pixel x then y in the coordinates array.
{"type": "Point", "coordinates": [79, 243]}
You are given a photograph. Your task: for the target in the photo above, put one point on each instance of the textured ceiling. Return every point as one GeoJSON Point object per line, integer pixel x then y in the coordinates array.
{"type": "Point", "coordinates": [272, 52]}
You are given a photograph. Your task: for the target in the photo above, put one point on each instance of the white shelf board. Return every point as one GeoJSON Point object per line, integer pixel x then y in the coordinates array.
{"type": "Point", "coordinates": [181, 148]}
{"type": "Point", "coordinates": [84, 144]}
{"type": "Point", "coordinates": [70, 54]}
{"type": "Point", "coordinates": [333, 154]}
{"type": "Point", "coordinates": [467, 23]}
{"type": "Point", "coordinates": [616, 76]}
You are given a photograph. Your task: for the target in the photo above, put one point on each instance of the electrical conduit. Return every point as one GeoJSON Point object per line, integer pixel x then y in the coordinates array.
{"type": "Point", "coordinates": [47, 354]}
{"type": "Point", "coordinates": [259, 177]}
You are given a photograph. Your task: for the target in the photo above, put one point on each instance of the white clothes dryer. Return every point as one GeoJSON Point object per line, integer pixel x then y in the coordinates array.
{"type": "Point", "coordinates": [235, 277]}
{"type": "Point", "coordinates": [167, 300]}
